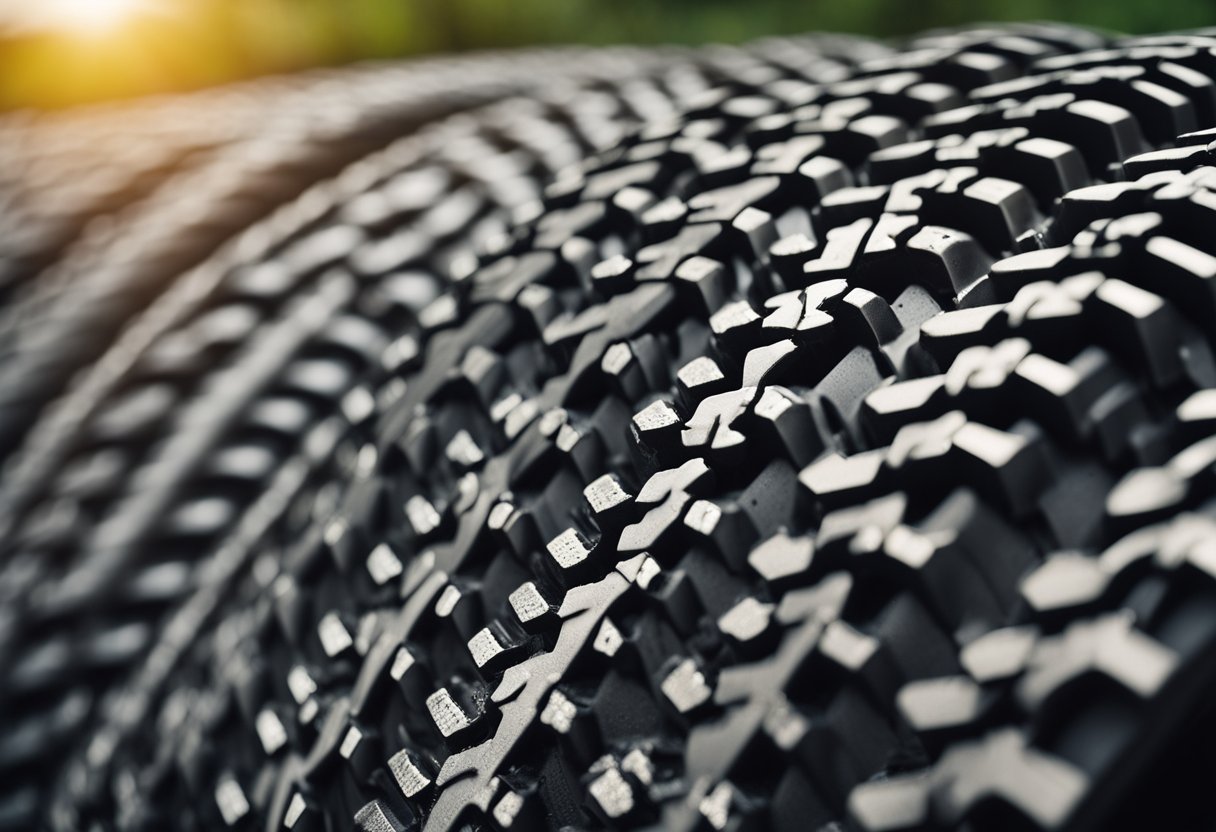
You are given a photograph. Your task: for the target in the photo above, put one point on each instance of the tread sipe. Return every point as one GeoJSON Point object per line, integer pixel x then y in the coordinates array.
{"type": "Point", "coordinates": [828, 443]}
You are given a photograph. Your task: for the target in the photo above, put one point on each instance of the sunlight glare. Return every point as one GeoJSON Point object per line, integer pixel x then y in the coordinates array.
{"type": "Point", "coordinates": [88, 17]}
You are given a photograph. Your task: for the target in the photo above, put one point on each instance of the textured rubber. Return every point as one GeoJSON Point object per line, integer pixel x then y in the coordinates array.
{"type": "Point", "coordinates": [835, 454]}
{"type": "Point", "coordinates": [139, 472]}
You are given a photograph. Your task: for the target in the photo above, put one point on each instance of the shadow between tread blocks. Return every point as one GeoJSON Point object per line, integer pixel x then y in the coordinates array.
{"type": "Point", "coordinates": [835, 455]}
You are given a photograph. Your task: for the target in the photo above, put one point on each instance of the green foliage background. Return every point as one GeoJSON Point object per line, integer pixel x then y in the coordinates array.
{"type": "Point", "coordinates": [195, 43]}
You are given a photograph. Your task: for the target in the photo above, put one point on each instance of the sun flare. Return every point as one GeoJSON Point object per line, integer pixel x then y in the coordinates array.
{"type": "Point", "coordinates": [84, 17]}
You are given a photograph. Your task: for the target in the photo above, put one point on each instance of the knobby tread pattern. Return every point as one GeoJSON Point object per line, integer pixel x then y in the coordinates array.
{"type": "Point", "coordinates": [86, 293]}
{"type": "Point", "coordinates": [833, 455]}
{"type": "Point", "coordinates": [143, 467]}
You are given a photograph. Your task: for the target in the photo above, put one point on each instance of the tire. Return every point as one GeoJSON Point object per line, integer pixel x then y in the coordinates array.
{"type": "Point", "coordinates": [237, 378]}
{"type": "Point", "coordinates": [834, 455]}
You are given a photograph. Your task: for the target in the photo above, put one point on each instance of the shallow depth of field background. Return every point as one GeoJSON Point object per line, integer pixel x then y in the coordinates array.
{"type": "Point", "coordinates": [59, 52]}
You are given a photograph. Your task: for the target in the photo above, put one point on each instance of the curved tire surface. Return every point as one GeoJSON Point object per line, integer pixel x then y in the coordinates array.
{"type": "Point", "coordinates": [817, 435]}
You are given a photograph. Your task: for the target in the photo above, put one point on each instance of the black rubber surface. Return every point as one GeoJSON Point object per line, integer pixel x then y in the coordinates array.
{"type": "Point", "coordinates": [817, 435]}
